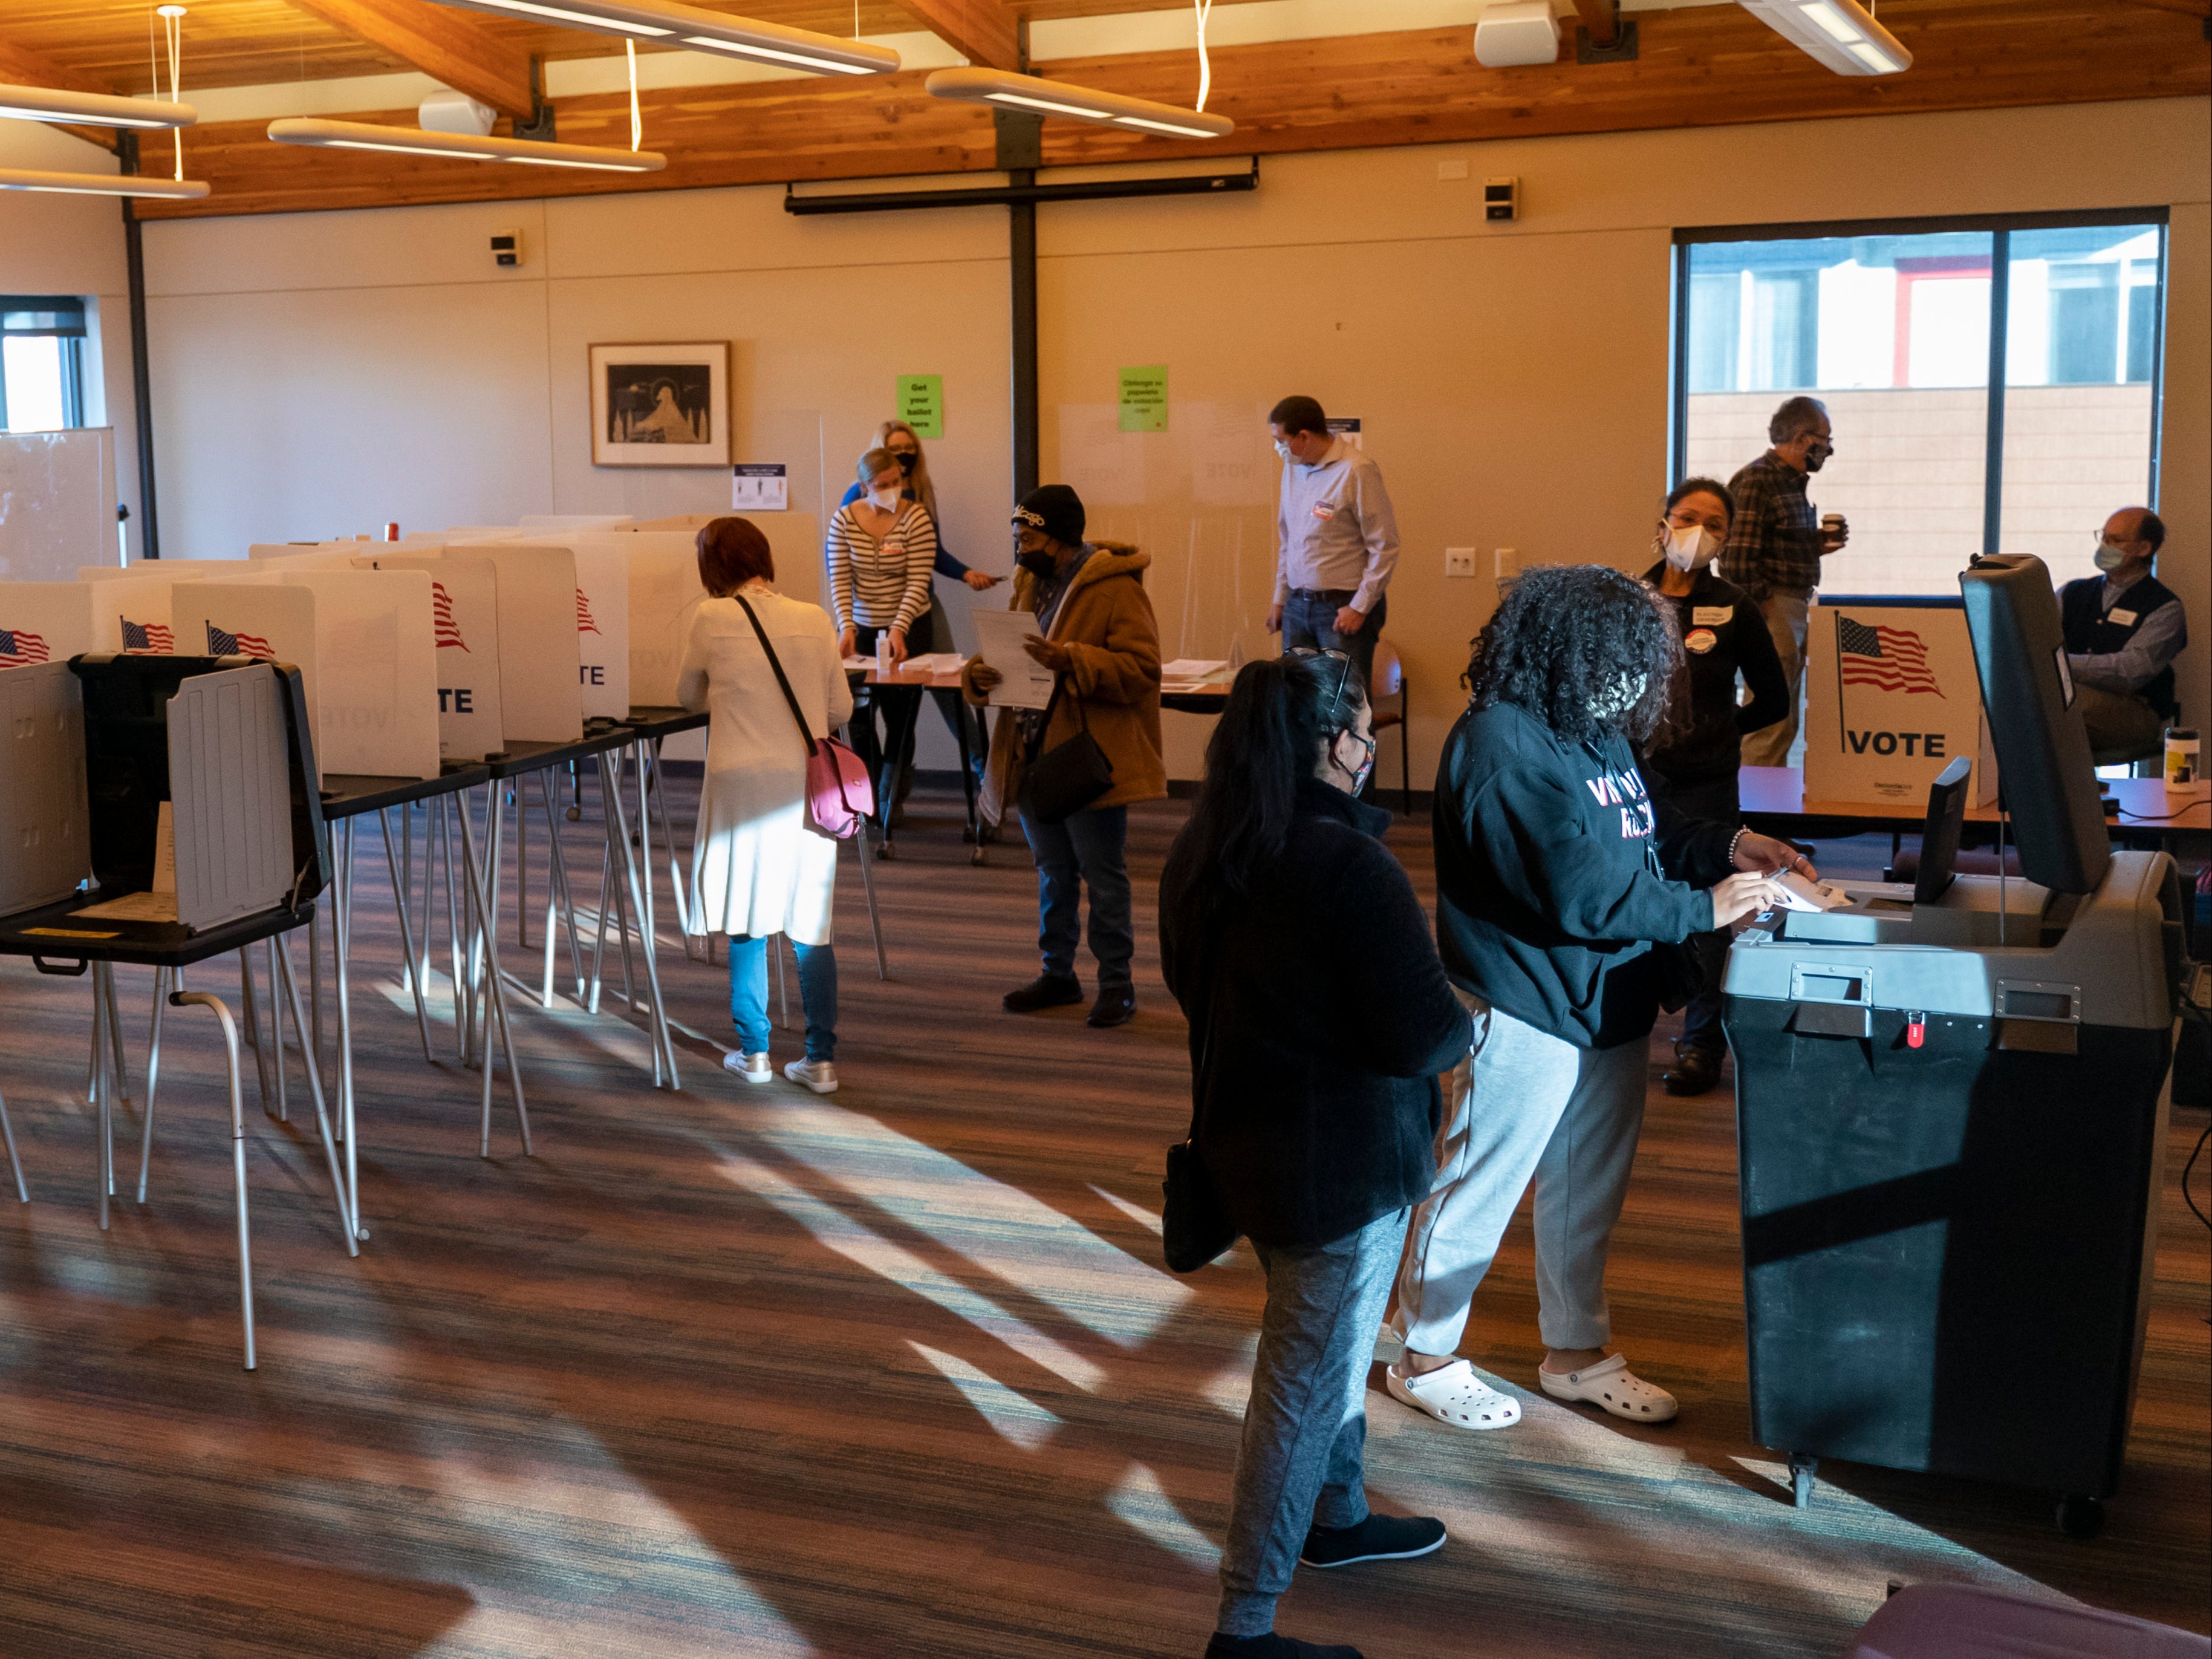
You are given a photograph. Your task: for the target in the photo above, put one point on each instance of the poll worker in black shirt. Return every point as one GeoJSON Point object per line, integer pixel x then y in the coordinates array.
{"type": "Point", "coordinates": [1319, 1019]}
{"type": "Point", "coordinates": [1563, 893]}
{"type": "Point", "coordinates": [2123, 630]}
{"type": "Point", "coordinates": [1692, 760]}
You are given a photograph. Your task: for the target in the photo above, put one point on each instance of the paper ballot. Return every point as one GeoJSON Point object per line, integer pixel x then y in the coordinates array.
{"type": "Point", "coordinates": [1793, 892]}
{"type": "Point", "coordinates": [1025, 683]}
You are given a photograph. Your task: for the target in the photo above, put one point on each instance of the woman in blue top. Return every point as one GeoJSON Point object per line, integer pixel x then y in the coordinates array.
{"type": "Point", "coordinates": [934, 629]}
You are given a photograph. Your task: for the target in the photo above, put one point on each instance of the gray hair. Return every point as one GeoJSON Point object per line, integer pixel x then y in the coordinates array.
{"type": "Point", "coordinates": [1796, 417]}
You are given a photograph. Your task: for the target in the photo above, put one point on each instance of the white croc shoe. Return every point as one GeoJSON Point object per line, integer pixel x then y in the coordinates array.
{"type": "Point", "coordinates": [1609, 1383]}
{"type": "Point", "coordinates": [754, 1068]}
{"type": "Point", "coordinates": [1454, 1395]}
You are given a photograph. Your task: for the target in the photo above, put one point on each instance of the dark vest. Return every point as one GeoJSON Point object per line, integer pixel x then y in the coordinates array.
{"type": "Point", "coordinates": [2090, 632]}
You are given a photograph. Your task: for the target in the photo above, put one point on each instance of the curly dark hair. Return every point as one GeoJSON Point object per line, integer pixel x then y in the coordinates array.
{"type": "Point", "coordinates": [1560, 645]}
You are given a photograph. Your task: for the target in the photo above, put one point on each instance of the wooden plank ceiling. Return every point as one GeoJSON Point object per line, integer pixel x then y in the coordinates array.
{"type": "Point", "coordinates": [1701, 65]}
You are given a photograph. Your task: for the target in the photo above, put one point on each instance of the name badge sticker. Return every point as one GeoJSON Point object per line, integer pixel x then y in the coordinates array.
{"type": "Point", "coordinates": [1323, 511]}
{"type": "Point", "coordinates": [1712, 616]}
{"type": "Point", "coordinates": [2124, 619]}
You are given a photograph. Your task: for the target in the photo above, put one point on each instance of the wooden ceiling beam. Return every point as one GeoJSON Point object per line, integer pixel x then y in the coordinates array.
{"type": "Point", "coordinates": [1711, 66]}
{"type": "Point", "coordinates": [26, 68]}
{"type": "Point", "coordinates": [983, 31]}
{"type": "Point", "coordinates": [449, 48]}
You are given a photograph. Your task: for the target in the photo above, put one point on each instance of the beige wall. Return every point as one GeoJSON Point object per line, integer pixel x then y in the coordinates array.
{"type": "Point", "coordinates": [325, 372]}
{"type": "Point", "coordinates": [54, 244]}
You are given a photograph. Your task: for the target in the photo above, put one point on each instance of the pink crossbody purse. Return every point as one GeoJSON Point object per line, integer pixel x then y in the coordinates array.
{"type": "Point", "coordinates": [839, 796]}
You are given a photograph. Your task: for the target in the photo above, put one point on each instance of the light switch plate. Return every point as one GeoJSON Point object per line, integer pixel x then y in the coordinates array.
{"type": "Point", "coordinates": [1451, 169]}
{"type": "Point", "coordinates": [1459, 561]}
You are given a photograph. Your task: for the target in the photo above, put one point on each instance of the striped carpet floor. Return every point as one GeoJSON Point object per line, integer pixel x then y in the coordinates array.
{"type": "Point", "coordinates": [897, 1372]}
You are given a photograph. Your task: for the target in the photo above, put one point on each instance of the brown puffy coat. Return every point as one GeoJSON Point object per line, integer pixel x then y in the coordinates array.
{"type": "Point", "coordinates": [1106, 622]}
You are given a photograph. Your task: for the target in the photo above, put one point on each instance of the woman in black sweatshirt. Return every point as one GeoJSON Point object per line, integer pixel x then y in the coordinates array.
{"type": "Point", "coordinates": [1557, 876]}
{"type": "Point", "coordinates": [1320, 1017]}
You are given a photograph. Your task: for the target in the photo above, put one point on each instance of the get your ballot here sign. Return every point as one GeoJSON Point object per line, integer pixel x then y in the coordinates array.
{"type": "Point", "coordinates": [1892, 698]}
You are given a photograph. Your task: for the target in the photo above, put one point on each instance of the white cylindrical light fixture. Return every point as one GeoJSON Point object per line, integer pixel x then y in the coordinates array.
{"type": "Point", "coordinates": [102, 184]}
{"type": "Point", "coordinates": [669, 24]}
{"type": "Point", "coordinates": [1027, 93]}
{"type": "Point", "coordinates": [460, 146]}
{"type": "Point", "coordinates": [91, 109]}
{"type": "Point", "coordinates": [1840, 33]}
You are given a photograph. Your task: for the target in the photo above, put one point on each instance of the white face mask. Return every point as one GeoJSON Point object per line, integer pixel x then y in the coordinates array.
{"type": "Point", "coordinates": [1692, 545]}
{"type": "Point", "coordinates": [2108, 557]}
{"type": "Point", "coordinates": [1282, 449]}
{"type": "Point", "coordinates": [884, 500]}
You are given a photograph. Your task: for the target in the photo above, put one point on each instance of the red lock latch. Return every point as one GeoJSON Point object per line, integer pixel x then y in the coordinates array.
{"type": "Point", "coordinates": [1916, 1029]}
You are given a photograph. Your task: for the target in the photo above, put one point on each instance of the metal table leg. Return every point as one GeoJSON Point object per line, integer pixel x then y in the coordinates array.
{"type": "Point", "coordinates": [400, 895]}
{"type": "Point", "coordinates": [182, 999]}
{"type": "Point", "coordinates": [664, 1045]}
{"type": "Point", "coordinates": [342, 928]}
{"type": "Point", "coordinates": [15, 1164]}
{"type": "Point", "coordinates": [487, 933]}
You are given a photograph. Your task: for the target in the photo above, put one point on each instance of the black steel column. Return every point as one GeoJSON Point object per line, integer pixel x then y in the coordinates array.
{"type": "Point", "coordinates": [1993, 454]}
{"type": "Point", "coordinates": [141, 380]}
{"type": "Point", "coordinates": [1020, 153]}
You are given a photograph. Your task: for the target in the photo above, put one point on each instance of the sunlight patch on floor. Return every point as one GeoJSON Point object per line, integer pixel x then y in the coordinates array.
{"type": "Point", "coordinates": [1012, 1413]}
{"type": "Point", "coordinates": [1139, 1500]}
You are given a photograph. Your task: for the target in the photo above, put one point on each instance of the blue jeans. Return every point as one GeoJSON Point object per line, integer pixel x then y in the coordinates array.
{"type": "Point", "coordinates": [817, 994]}
{"type": "Point", "coordinates": [1090, 847]}
{"type": "Point", "coordinates": [1312, 623]}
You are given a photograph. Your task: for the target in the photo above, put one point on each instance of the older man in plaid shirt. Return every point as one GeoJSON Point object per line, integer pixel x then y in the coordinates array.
{"type": "Point", "coordinates": [1775, 545]}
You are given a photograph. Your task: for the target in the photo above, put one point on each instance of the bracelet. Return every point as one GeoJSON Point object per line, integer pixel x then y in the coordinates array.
{"type": "Point", "coordinates": [1734, 842]}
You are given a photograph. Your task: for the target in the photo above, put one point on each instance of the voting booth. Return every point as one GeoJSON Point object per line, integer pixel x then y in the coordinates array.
{"type": "Point", "coordinates": [1952, 1106]}
{"type": "Point", "coordinates": [1891, 699]}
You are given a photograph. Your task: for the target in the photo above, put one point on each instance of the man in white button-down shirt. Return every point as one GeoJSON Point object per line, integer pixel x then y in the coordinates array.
{"type": "Point", "coordinates": [1336, 539]}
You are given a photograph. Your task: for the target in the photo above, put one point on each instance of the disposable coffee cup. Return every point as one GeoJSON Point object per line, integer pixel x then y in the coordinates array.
{"type": "Point", "coordinates": [1832, 522]}
{"type": "Point", "coordinates": [2182, 770]}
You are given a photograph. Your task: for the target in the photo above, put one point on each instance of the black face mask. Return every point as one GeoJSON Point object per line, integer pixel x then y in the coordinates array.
{"type": "Point", "coordinates": [1036, 561]}
{"type": "Point", "coordinates": [905, 458]}
{"type": "Point", "coordinates": [1817, 457]}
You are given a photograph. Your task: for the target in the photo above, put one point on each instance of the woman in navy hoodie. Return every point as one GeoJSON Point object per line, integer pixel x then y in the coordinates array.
{"type": "Point", "coordinates": [1563, 895]}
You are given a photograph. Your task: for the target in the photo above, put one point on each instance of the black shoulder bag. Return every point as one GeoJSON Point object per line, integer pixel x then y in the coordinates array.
{"type": "Point", "coordinates": [1062, 780]}
{"type": "Point", "coordinates": [1194, 1227]}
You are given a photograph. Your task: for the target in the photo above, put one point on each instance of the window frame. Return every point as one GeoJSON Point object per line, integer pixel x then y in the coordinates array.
{"type": "Point", "coordinates": [71, 336]}
{"type": "Point", "coordinates": [1999, 227]}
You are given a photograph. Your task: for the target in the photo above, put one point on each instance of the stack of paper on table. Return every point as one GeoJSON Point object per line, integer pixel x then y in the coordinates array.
{"type": "Point", "coordinates": [1189, 673]}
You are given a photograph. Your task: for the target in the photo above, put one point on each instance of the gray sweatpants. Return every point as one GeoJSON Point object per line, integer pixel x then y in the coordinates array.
{"type": "Point", "coordinates": [1300, 1462]}
{"type": "Point", "coordinates": [1525, 1102]}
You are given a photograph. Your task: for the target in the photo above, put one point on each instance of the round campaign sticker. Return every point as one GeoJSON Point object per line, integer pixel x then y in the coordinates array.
{"type": "Point", "coordinates": [1700, 640]}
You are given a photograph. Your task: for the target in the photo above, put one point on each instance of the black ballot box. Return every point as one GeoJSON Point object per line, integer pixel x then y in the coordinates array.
{"type": "Point", "coordinates": [1952, 1104]}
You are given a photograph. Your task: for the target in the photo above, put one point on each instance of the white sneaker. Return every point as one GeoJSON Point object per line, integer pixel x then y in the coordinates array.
{"type": "Point", "coordinates": [819, 1075]}
{"type": "Point", "coordinates": [754, 1068]}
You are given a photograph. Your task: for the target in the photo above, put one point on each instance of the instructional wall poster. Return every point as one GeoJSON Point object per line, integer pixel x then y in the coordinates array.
{"type": "Point", "coordinates": [760, 487]}
{"type": "Point", "coordinates": [921, 403]}
{"type": "Point", "coordinates": [1145, 398]}
{"type": "Point", "coordinates": [1892, 698]}
{"type": "Point", "coordinates": [1346, 427]}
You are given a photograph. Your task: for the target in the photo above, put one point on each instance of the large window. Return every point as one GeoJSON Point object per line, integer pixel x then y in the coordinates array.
{"type": "Point", "coordinates": [41, 362]}
{"type": "Point", "coordinates": [1898, 329]}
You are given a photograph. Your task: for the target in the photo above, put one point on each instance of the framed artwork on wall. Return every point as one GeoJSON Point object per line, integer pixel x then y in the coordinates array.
{"type": "Point", "coordinates": [660, 406]}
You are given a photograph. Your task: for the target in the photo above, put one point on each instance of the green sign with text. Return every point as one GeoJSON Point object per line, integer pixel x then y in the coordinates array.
{"type": "Point", "coordinates": [921, 403]}
{"type": "Point", "coordinates": [1145, 398]}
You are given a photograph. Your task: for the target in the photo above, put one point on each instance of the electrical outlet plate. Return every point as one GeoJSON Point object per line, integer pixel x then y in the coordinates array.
{"type": "Point", "coordinates": [1459, 561]}
{"type": "Point", "coordinates": [1451, 169]}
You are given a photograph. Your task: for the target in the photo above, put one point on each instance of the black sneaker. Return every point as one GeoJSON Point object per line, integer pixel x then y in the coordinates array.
{"type": "Point", "coordinates": [1272, 1646]}
{"type": "Point", "coordinates": [1116, 1006]}
{"type": "Point", "coordinates": [1378, 1537]}
{"type": "Point", "coordinates": [1695, 1071]}
{"type": "Point", "coordinates": [1046, 991]}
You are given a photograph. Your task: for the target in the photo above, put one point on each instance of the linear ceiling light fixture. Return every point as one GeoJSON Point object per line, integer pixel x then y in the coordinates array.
{"type": "Point", "coordinates": [1026, 92]}
{"type": "Point", "coordinates": [1840, 33]}
{"type": "Point", "coordinates": [91, 109]}
{"type": "Point", "coordinates": [464, 146]}
{"type": "Point", "coordinates": [102, 184]}
{"type": "Point", "coordinates": [709, 31]}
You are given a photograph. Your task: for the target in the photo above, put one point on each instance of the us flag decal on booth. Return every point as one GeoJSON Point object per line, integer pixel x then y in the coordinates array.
{"type": "Point", "coordinates": [441, 618]}
{"type": "Point", "coordinates": [20, 647]}
{"type": "Point", "coordinates": [146, 636]}
{"type": "Point", "coordinates": [1888, 659]}
{"type": "Point", "coordinates": [221, 644]}
{"type": "Point", "coordinates": [584, 623]}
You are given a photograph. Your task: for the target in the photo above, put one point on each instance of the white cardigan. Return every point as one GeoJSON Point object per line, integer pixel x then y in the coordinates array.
{"type": "Point", "coordinates": [756, 869]}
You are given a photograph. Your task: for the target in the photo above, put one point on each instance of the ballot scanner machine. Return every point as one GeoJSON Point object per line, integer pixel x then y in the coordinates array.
{"type": "Point", "coordinates": [1951, 1107]}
